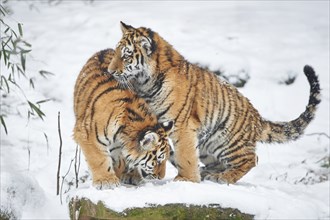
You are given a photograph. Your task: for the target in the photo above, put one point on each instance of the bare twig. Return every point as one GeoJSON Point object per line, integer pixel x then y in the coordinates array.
{"type": "Point", "coordinates": [79, 159]}
{"type": "Point", "coordinates": [63, 177]}
{"type": "Point", "coordinates": [29, 156]}
{"type": "Point", "coordinates": [76, 168]}
{"type": "Point", "coordinates": [59, 155]}
{"type": "Point", "coordinates": [319, 134]}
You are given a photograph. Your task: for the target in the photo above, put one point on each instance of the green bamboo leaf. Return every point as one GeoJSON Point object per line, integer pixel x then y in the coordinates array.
{"type": "Point", "coordinates": [37, 110]}
{"type": "Point", "coordinates": [43, 101]}
{"type": "Point", "coordinates": [2, 10]}
{"type": "Point", "coordinates": [6, 43]}
{"type": "Point", "coordinates": [13, 32]}
{"type": "Point", "coordinates": [26, 43]}
{"type": "Point", "coordinates": [23, 61]}
{"type": "Point", "coordinates": [19, 69]}
{"type": "Point", "coordinates": [20, 29]}
{"type": "Point", "coordinates": [31, 83]}
{"type": "Point", "coordinates": [25, 51]}
{"type": "Point", "coordinates": [5, 57]}
{"type": "Point", "coordinates": [4, 81]}
{"type": "Point", "coordinates": [7, 29]}
{"type": "Point", "coordinates": [3, 123]}
{"type": "Point", "coordinates": [44, 73]}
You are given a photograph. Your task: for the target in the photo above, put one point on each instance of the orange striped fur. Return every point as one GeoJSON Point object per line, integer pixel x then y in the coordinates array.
{"type": "Point", "coordinates": [213, 122]}
{"type": "Point", "coordinates": [120, 137]}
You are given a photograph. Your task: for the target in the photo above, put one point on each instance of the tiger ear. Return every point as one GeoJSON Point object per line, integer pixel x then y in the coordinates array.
{"type": "Point", "coordinates": [125, 27]}
{"type": "Point", "coordinates": [149, 141]}
{"type": "Point", "coordinates": [146, 43]}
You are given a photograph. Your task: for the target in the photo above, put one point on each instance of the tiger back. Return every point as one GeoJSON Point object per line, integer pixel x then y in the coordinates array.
{"type": "Point", "coordinates": [119, 136]}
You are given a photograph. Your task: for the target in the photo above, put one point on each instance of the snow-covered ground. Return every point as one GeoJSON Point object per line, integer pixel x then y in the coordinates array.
{"type": "Point", "coordinates": [269, 40]}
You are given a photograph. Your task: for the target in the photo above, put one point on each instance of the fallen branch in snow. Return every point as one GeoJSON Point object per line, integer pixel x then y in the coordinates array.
{"type": "Point", "coordinates": [318, 133]}
{"type": "Point", "coordinates": [59, 154]}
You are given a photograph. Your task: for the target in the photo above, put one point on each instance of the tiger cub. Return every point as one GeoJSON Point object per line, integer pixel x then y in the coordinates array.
{"type": "Point", "coordinates": [120, 137]}
{"type": "Point", "coordinates": [213, 122]}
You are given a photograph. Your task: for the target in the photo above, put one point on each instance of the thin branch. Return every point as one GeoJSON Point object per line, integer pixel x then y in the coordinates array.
{"type": "Point", "coordinates": [63, 177]}
{"type": "Point", "coordinates": [319, 134]}
{"type": "Point", "coordinates": [76, 168]}
{"type": "Point", "coordinates": [59, 154]}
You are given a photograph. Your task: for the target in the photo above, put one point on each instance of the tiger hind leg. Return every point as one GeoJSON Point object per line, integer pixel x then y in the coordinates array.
{"type": "Point", "coordinates": [230, 170]}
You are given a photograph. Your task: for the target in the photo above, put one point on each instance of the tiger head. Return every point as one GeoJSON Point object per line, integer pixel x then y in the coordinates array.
{"type": "Point", "coordinates": [140, 55]}
{"type": "Point", "coordinates": [149, 159]}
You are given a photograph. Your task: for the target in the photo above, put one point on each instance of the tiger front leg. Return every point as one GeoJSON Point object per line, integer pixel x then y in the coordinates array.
{"type": "Point", "coordinates": [186, 156]}
{"type": "Point", "coordinates": [101, 166]}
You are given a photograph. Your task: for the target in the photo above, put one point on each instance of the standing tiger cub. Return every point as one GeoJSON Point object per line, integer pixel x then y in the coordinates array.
{"type": "Point", "coordinates": [120, 137]}
{"type": "Point", "coordinates": [213, 122]}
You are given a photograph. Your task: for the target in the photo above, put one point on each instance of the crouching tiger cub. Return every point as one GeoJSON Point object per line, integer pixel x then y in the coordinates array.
{"type": "Point", "coordinates": [213, 122]}
{"type": "Point", "coordinates": [120, 138]}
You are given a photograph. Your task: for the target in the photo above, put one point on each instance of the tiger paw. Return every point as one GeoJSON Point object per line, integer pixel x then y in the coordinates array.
{"type": "Point", "coordinates": [187, 179]}
{"type": "Point", "coordinates": [106, 182]}
{"type": "Point", "coordinates": [220, 178]}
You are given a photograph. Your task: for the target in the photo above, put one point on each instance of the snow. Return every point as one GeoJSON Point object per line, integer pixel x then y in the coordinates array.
{"type": "Point", "coordinates": [268, 40]}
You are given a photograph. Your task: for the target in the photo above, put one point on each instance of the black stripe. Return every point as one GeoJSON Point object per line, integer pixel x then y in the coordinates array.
{"type": "Point", "coordinates": [125, 99]}
{"type": "Point", "coordinates": [134, 114]}
{"type": "Point", "coordinates": [188, 112]}
{"type": "Point", "coordinates": [232, 148]}
{"type": "Point", "coordinates": [97, 136]}
{"type": "Point", "coordinates": [215, 104]}
{"type": "Point", "coordinates": [101, 55]}
{"type": "Point", "coordinates": [145, 109]}
{"type": "Point", "coordinates": [242, 125]}
{"type": "Point", "coordinates": [187, 67]}
{"type": "Point", "coordinates": [212, 103]}
{"type": "Point", "coordinates": [147, 155]}
{"type": "Point", "coordinates": [160, 114]}
{"type": "Point", "coordinates": [114, 148]}
{"type": "Point", "coordinates": [218, 126]}
{"type": "Point", "coordinates": [153, 43]}
{"type": "Point", "coordinates": [110, 89]}
{"type": "Point", "coordinates": [169, 54]}
{"type": "Point", "coordinates": [91, 95]}
{"type": "Point", "coordinates": [208, 145]}
{"type": "Point", "coordinates": [148, 95]}
{"type": "Point", "coordinates": [119, 130]}
{"type": "Point", "coordinates": [106, 127]}
{"type": "Point", "coordinates": [235, 157]}
{"type": "Point", "coordinates": [184, 103]}
{"type": "Point", "coordinates": [206, 92]}
{"type": "Point", "coordinates": [81, 88]}
{"type": "Point", "coordinates": [137, 59]}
